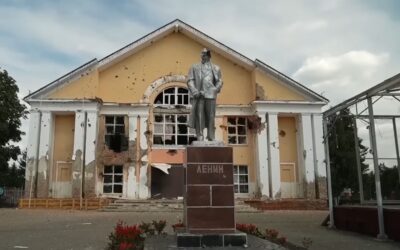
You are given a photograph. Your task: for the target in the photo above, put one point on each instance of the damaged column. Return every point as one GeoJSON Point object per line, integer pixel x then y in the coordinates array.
{"type": "Point", "coordinates": [32, 153]}
{"type": "Point", "coordinates": [144, 182]}
{"type": "Point", "coordinates": [308, 175]}
{"type": "Point", "coordinates": [77, 158]}
{"type": "Point", "coordinates": [262, 157]}
{"type": "Point", "coordinates": [273, 152]}
{"type": "Point", "coordinates": [43, 168]}
{"type": "Point", "coordinates": [132, 184]}
{"type": "Point", "coordinates": [90, 167]}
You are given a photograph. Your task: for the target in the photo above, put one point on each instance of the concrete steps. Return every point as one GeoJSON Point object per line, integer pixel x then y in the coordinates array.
{"type": "Point", "coordinates": [288, 204]}
{"type": "Point", "coordinates": [162, 205]}
{"type": "Point", "coordinates": [144, 206]}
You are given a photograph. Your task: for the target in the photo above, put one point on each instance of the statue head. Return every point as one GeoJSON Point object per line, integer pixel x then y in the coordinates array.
{"type": "Point", "coordinates": [205, 55]}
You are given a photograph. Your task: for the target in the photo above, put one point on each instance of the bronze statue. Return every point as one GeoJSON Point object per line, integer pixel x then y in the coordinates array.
{"type": "Point", "coordinates": [204, 82]}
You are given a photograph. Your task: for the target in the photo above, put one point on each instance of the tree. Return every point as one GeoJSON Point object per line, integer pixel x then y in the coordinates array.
{"type": "Point", "coordinates": [389, 182]}
{"type": "Point", "coordinates": [11, 112]}
{"type": "Point", "coordinates": [342, 153]}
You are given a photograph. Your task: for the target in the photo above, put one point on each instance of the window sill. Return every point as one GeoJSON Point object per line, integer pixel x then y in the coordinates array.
{"type": "Point", "coordinates": [169, 146]}
{"type": "Point", "coordinates": [238, 145]}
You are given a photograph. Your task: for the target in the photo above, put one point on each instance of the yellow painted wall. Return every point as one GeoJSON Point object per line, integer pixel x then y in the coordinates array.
{"type": "Point", "coordinates": [288, 140]}
{"type": "Point", "coordinates": [242, 154]}
{"type": "Point", "coordinates": [273, 90]}
{"type": "Point", "coordinates": [63, 138]}
{"type": "Point", "coordinates": [127, 80]}
{"type": "Point", "coordinates": [84, 87]}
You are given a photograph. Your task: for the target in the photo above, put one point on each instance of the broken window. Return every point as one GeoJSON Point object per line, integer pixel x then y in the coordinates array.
{"type": "Point", "coordinates": [174, 96]}
{"type": "Point", "coordinates": [172, 129]}
{"type": "Point", "coordinates": [112, 179]}
{"type": "Point", "coordinates": [241, 179]}
{"type": "Point", "coordinates": [115, 137]}
{"type": "Point", "coordinates": [237, 130]}
{"type": "Point", "coordinates": [170, 125]}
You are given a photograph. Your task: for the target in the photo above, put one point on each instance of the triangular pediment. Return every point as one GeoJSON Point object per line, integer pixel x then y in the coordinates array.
{"type": "Point", "coordinates": [93, 69]}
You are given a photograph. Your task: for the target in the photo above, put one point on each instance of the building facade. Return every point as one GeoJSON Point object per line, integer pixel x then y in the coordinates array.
{"type": "Point", "coordinates": [117, 127]}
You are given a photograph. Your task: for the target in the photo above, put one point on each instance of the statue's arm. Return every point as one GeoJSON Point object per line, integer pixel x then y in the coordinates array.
{"type": "Point", "coordinates": [190, 82]}
{"type": "Point", "coordinates": [219, 83]}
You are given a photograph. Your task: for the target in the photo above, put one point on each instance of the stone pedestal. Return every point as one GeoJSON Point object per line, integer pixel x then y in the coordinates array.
{"type": "Point", "coordinates": [209, 208]}
{"type": "Point", "coordinates": [209, 197]}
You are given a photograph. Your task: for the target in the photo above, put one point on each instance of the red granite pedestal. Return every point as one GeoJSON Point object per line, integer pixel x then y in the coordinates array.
{"type": "Point", "coordinates": [209, 208]}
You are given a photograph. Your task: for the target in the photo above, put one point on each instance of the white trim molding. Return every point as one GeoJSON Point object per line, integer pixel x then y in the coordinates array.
{"type": "Point", "coordinates": [64, 105]}
{"type": "Point", "coordinates": [125, 109]}
{"type": "Point", "coordinates": [288, 106]}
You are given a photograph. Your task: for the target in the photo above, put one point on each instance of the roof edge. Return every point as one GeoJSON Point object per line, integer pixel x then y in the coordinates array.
{"type": "Point", "coordinates": [268, 69]}
{"type": "Point", "coordinates": [62, 79]}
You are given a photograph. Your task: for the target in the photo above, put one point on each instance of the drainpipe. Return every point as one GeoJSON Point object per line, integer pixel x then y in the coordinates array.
{"type": "Point", "coordinates": [36, 167]}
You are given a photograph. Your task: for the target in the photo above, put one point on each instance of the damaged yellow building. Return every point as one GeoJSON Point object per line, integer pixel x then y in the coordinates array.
{"type": "Point", "coordinates": [116, 127]}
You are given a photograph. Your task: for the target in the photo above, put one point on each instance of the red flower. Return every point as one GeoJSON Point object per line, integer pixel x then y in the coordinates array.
{"type": "Point", "coordinates": [126, 246]}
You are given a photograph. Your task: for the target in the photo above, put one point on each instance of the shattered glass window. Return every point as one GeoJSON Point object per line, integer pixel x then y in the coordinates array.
{"type": "Point", "coordinates": [170, 125]}
{"type": "Point", "coordinates": [113, 179]}
{"type": "Point", "coordinates": [115, 138]}
{"type": "Point", "coordinates": [241, 179]}
{"type": "Point", "coordinates": [237, 130]}
{"type": "Point", "coordinates": [173, 96]}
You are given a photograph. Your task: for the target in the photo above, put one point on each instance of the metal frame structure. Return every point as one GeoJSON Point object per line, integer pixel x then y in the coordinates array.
{"type": "Point", "coordinates": [388, 88]}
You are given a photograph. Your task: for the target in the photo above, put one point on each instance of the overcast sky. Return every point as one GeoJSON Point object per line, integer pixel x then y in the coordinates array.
{"type": "Point", "coordinates": [335, 47]}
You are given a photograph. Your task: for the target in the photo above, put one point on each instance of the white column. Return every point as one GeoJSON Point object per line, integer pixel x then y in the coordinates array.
{"type": "Point", "coordinates": [77, 154]}
{"type": "Point", "coordinates": [45, 146]}
{"type": "Point", "coordinates": [262, 158]}
{"type": "Point", "coordinates": [46, 129]}
{"type": "Point", "coordinates": [78, 133]}
{"type": "Point", "coordinates": [273, 151]}
{"type": "Point", "coordinates": [132, 185]}
{"type": "Point", "coordinates": [319, 145]}
{"type": "Point", "coordinates": [32, 151]}
{"type": "Point", "coordinates": [306, 136]}
{"type": "Point", "coordinates": [144, 189]}
{"type": "Point", "coordinates": [90, 153]}
{"type": "Point", "coordinates": [91, 136]}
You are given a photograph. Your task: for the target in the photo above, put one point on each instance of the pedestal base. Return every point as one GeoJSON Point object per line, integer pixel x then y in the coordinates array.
{"type": "Point", "coordinates": [211, 240]}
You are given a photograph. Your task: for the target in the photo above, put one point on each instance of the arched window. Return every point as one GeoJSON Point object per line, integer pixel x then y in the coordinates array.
{"type": "Point", "coordinates": [173, 96]}
{"type": "Point", "coordinates": [171, 115]}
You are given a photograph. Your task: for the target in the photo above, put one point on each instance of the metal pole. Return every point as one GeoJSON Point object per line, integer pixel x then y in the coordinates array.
{"type": "Point", "coordinates": [396, 142]}
{"type": "Point", "coordinates": [357, 149]}
{"type": "Point", "coordinates": [328, 175]}
{"type": "Point", "coordinates": [379, 202]}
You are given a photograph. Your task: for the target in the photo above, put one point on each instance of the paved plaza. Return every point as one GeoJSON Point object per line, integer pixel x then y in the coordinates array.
{"type": "Point", "coordinates": [61, 229]}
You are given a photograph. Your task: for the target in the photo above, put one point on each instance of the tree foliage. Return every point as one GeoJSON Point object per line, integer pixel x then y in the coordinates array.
{"type": "Point", "coordinates": [11, 112]}
{"type": "Point", "coordinates": [342, 152]}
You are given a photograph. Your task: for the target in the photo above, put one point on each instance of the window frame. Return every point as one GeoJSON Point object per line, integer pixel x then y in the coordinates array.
{"type": "Point", "coordinates": [114, 124]}
{"type": "Point", "coordinates": [236, 126]}
{"type": "Point", "coordinates": [176, 96]}
{"type": "Point", "coordinates": [174, 109]}
{"type": "Point", "coordinates": [113, 183]}
{"type": "Point", "coordinates": [237, 176]}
